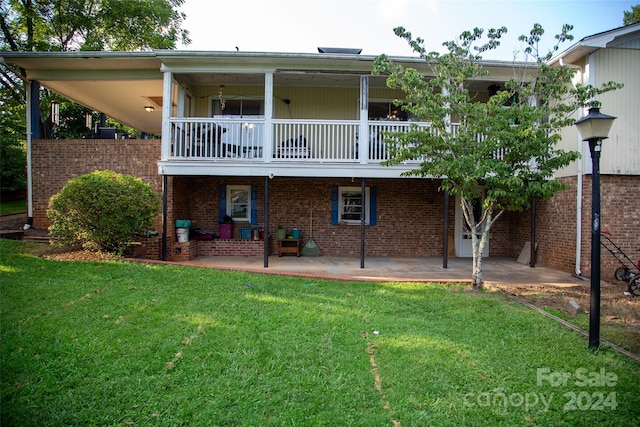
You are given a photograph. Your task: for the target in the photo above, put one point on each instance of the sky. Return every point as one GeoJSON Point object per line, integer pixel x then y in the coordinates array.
{"type": "Point", "coordinates": [301, 26]}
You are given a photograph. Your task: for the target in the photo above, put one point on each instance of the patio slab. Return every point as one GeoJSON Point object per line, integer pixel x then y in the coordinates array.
{"type": "Point", "coordinates": [496, 271]}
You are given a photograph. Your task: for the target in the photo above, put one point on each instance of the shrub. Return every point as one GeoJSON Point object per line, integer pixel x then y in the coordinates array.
{"type": "Point", "coordinates": [102, 210]}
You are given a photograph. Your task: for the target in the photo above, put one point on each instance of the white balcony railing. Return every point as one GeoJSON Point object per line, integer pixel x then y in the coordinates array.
{"type": "Point", "coordinates": [292, 140]}
{"type": "Point", "coordinates": [202, 138]}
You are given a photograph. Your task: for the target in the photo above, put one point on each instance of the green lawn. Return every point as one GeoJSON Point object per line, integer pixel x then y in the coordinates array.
{"type": "Point", "coordinates": [112, 343]}
{"type": "Point", "coordinates": [13, 206]}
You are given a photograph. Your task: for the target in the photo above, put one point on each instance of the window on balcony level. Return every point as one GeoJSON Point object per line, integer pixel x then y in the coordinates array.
{"type": "Point", "coordinates": [241, 107]}
{"type": "Point", "coordinates": [386, 110]}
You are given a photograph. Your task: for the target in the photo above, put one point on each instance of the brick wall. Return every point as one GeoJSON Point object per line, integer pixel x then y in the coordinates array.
{"type": "Point", "coordinates": [56, 161]}
{"type": "Point", "coordinates": [219, 247]}
{"type": "Point", "coordinates": [409, 214]}
{"type": "Point", "coordinates": [556, 224]}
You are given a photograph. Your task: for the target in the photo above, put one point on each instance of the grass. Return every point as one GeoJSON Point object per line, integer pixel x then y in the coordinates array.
{"type": "Point", "coordinates": [113, 343]}
{"type": "Point", "coordinates": [12, 206]}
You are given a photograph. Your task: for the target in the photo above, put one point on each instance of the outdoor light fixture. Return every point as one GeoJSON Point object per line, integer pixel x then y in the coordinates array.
{"type": "Point", "coordinates": [594, 127]}
{"type": "Point", "coordinates": [55, 112]}
{"type": "Point", "coordinates": [149, 109]}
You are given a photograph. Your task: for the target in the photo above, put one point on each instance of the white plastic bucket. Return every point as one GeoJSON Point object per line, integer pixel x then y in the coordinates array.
{"type": "Point", "coordinates": [183, 234]}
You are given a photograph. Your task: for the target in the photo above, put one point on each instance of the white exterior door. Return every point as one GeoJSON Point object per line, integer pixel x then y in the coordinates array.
{"type": "Point", "coordinates": [463, 231]}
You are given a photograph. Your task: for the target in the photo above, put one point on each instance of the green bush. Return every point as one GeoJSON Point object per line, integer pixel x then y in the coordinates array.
{"type": "Point", "coordinates": [102, 210]}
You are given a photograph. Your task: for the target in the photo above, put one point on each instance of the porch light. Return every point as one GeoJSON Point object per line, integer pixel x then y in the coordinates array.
{"type": "Point", "coordinates": [55, 112]}
{"type": "Point", "coordinates": [149, 109]}
{"type": "Point", "coordinates": [594, 127]}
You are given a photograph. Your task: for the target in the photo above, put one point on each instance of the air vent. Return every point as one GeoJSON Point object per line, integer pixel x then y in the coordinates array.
{"type": "Point", "coordinates": [339, 50]}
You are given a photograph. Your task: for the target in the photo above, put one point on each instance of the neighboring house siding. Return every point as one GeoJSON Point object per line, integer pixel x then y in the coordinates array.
{"type": "Point", "coordinates": [621, 151]}
{"type": "Point", "coordinates": [570, 139]}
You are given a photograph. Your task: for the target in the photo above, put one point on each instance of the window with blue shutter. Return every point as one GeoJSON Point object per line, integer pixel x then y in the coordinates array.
{"type": "Point", "coordinates": [223, 202]}
{"type": "Point", "coordinates": [372, 206]}
{"type": "Point", "coordinates": [346, 205]}
{"type": "Point", "coordinates": [335, 204]}
{"type": "Point", "coordinates": [254, 204]}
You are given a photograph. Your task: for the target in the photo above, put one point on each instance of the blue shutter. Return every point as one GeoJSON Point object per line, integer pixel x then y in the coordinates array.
{"type": "Point", "coordinates": [223, 202]}
{"type": "Point", "coordinates": [372, 206]}
{"type": "Point", "coordinates": [334, 205]}
{"type": "Point", "coordinates": [254, 204]}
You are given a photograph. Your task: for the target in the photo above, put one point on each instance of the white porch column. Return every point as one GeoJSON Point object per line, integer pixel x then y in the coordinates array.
{"type": "Point", "coordinates": [182, 94]}
{"type": "Point", "coordinates": [363, 133]}
{"type": "Point", "coordinates": [445, 93]}
{"type": "Point", "coordinates": [267, 143]}
{"type": "Point", "coordinates": [167, 102]}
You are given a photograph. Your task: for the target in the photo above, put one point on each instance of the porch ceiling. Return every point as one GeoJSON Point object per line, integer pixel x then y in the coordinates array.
{"type": "Point", "coordinates": [115, 83]}
{"type": "Point", "coordinates": [121, 84]}
{"type": "Point", "coordinates": [122, 100]}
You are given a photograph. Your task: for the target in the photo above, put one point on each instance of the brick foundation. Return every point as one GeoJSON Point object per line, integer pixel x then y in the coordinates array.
{"type": "Point", "coordinates": [410, 217]}
{"type": "Point", "coordinates": [218, 247]}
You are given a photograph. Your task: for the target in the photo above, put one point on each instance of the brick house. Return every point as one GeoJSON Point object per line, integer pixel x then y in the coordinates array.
{"type": "Point", "coordinates": [295, 140]}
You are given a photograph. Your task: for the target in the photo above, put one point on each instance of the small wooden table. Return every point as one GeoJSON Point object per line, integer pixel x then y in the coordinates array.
{"type": "Point", "coordinates": [289, 246]}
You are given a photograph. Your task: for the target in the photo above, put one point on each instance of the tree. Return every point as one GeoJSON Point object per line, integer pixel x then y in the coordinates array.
{"type": "Point", "coordinates": [13, 154]}
{"type": "Point", "coordinates": [505, 147]}
{"type": "Point", "coordinates": [632, 16]}
{"type": "Point", "coordinates": [102, 210]}
{"type": "Point", "coordinates": [64, 25]}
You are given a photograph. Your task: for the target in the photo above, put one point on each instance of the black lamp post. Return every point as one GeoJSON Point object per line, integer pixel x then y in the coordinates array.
{"type": "Point", "coordinates": [594, 127]}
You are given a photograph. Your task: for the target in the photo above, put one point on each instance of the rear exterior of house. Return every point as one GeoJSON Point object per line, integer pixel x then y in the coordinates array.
{"type": "Point", "coordinates": [291, 140]}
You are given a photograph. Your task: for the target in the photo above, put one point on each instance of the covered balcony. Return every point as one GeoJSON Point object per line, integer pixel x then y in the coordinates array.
{"type": "Point", "coordinates": [299, 117]}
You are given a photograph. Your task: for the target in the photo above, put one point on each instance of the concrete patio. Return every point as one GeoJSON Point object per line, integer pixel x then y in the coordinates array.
{"type": "Point", "coordinates": [496, 271]}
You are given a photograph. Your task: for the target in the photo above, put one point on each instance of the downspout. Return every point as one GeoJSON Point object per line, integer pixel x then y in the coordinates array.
{"type": "Point", "coordinates": [29, 222]}
{"type": "Point", "coordinates": [445, 249]}
{"type": "Point", "coordinates": [579, 175]}
{"type": "Point", "coordinates": [265, 238]}
{"type": "Point", "coordinates": [363, 217]}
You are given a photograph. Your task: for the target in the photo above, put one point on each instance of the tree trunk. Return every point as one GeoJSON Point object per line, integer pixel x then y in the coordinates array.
{"type": "Point", "coordinates": [479, 244]}
{"type": "Point", "coordinates": [476, 275]}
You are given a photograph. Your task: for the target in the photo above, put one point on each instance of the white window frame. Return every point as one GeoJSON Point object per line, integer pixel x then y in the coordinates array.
{"type": "Point", "coordinates": [343, 207]}
{"type": "Point", "coordinates": [230, 190]}
{"type": "Point", "coordinates": [213, 100]}
{"type": "Point", "coordinates": [391, 108]}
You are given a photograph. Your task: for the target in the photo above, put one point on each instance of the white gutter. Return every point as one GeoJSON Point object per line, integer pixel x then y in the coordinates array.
{"type": "Point", "coordinates": [579, 175]}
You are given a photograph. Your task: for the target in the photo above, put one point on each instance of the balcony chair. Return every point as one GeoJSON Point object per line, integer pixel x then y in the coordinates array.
{"type": "Point", "coordinates": [294, 148]}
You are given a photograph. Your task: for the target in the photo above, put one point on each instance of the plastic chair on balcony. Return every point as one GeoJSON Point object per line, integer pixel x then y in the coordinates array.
{"type": "Point", "coordinates": [294, 148]}
{"type": "Point", "coordinates": [208, 142]}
